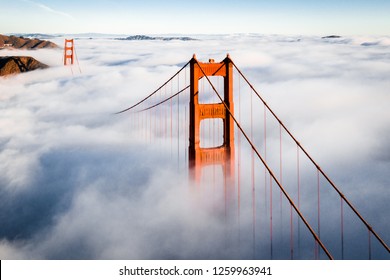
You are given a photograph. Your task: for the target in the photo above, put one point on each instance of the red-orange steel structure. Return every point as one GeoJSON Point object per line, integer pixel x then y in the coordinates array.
{"type": "Point", "coordinates": [69, 52]}
{"type": "Point", "coordinates": [224, 154]}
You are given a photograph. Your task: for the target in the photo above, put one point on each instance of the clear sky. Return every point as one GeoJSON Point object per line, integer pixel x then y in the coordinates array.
{"type": "Point", "coordinates": [300, 17]}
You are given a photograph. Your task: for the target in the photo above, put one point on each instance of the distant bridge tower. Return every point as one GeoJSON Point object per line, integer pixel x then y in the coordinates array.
{"type": "Point", "coordinates": [69, 52]}
{"type": "Point", "coordinates": [222, 155]}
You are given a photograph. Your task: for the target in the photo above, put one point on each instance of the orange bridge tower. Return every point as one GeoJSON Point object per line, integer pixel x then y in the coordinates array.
{"type": "Point", "coordinates": [69, 52]}
{"type": "Point", "coordinates": [222, 155]}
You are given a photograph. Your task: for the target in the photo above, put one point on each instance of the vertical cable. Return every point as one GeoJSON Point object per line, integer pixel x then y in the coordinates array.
{"type": "Point", "coordinates": [214, 96]}
{"type": "Point", "coordinates": [178, 123]}
{"type": "Point", "coordinates": [299, 200]}
{"type": "Point", "coordinates": [225, 189]}
{"type": "Point", "coordinates": [265, 156]}
{"type": "Point", "coordinates": [239, 163]}
{"type": "Point", "coordinates": [318, 211]}
{"type": "Point", "coordinates": [342, 227]}
{"type": "Point", "coordinates": [150, 126]}
{"type": "Point", "coordinates": [137, 123]}
{"type": "Point", "coordinates": [132, 122]}
{"type": "Point", "coordinates": [281, 181]}
{"type": "Point", "coordinates": [171, 120]}
{"type": "Point", "coordinates": [253, 183]}
{"type": "Point", "coordinates": [144, 126]}
{"type": "Point", "coordinates": [166, 115]}
{"type": "Point", "coordinates": [291, 234]}
{"type": "Point", "coordinates": [318, 204]}
{"type": "Point", "coordinates": [369, 245]}
{"type": "Point", "coordinates": [155, 115]}
{"type": "Point", "coordinates": [298, 180]}
{"type": "Point", "coordinates": [185, 133]}
{"type": "Point", "coordinates": [78, 64]}
{"type": "Point", "coordinates": [159, 114]}
{"type": "Point", "coordinates": [270, 209]}
{"type": "Point", "coordinates": [265, 133]}
{"type": "Point", "coordinates": [185, 119]}
{"type": "Point", "coordinates": [281, 157]}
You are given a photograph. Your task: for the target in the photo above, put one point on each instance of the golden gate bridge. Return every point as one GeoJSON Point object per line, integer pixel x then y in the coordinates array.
{"type": "Point", "coordinates": [236, 148]}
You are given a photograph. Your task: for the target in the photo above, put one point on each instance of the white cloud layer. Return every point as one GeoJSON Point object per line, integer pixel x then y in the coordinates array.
{"type": "Point", "coordinates": [77, 182]}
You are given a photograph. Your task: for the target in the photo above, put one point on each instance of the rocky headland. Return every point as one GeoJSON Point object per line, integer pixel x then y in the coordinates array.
{"type": "Point", "coordinates": [19, 64]}
{"type": "Point", "coordinates": [14, 42]}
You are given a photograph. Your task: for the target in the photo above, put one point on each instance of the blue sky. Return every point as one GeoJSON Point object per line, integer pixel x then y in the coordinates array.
{"type": "Point", "coordinates": [345, 17]}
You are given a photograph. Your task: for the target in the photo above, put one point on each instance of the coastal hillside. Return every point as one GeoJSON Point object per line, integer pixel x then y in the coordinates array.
{"type": "Point", "coordinates": [19, 64]}
{"type": "Point", "coordinates": [24, 43]}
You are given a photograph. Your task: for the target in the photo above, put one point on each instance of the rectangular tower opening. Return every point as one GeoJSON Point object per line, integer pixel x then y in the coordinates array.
{"type": "Point", "coordinates": [211, 133]}
{"type": "Point", "coordinates": [206, 93]}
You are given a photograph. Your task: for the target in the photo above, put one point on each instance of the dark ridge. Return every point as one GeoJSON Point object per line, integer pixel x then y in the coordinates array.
{"type": "Point", "coordinates": [35, 35]}
{"type": "Point", "coordinates": [331, 37]}
{"type": "Point", "coordinates": [150, 38]}
{"type": "Point", "coordinates": [19, 64]}
{"type": "Point", "coordinates": [24, 43]}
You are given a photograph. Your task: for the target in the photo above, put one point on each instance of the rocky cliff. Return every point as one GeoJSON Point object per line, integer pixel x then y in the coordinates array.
{"type": "Point", "coordinates": [19, 64]}
{"type": "Point", "coordinates": [24, 43]}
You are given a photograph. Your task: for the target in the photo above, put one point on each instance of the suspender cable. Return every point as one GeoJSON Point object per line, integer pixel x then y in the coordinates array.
{"type": "Point", "coordinates": [77, 59]}
{"type": "Point", "coordinates": [318, 209]}
{"type": "Point", "coordinates": [281, 182]}
{"type": "Point", "coordinates": [171, 128]}
{"type": "Point", "coordinates": [253, 182]}
{"type": "Point", "coordinates": [150, 126]}
{"type": "Point", "coordinates": [299, 201]}
{"type": "Point", "coordinates": [270, 216]}
{"type": "Point", "coordinates": [178, 123]}
{"type": "Point", "coordinates": [342, 227]}
{"type": "Point", "coordinates": [239, 163]}
{"type": "Point", "coordinates": [369, 245]}
{"type": "Point", "coordinates": [291, 234]}
{"type": "Point", "coordinates": [265, 156]}
{"type": "Point", "coordinates": [281, 177]}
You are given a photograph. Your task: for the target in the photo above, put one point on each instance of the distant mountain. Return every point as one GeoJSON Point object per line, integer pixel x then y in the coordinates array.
{"type": "Point", "coordinates": [149, 38]}
{"type": "Point", "coordinates": [19, 64]}
{"type": "Point", "coordinates": [331, 37]}
{"type": "Point", "coordinates": [35, 35]}
{"type": "Point", "coordinates": [24, 43]}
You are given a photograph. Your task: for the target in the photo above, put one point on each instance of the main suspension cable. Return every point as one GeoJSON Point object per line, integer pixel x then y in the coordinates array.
{"type": "Point", "coordinates": [154, 92]}
{"type": "Point", "coordinates": [165, 100]}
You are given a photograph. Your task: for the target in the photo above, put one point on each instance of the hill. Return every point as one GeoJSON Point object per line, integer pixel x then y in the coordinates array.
{"type": "Point", "coordinates": [19, 64]}
{"type": "Point", "coordinates": [144, 37]}
{"type": "Point", "coordinates": [35, 35]}
{"type": "Point", "coordinates": [24, 43]}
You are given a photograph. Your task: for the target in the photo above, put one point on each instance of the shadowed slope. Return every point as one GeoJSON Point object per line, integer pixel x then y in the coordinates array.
{"type": "Point", "coordinates": [19, 64]}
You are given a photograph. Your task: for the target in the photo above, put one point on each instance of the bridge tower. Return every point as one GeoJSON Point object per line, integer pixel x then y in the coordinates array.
{"type": "Point", "coordinates": [222, 155]}
{"type": "Point", "coordinates": [69, 52]}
